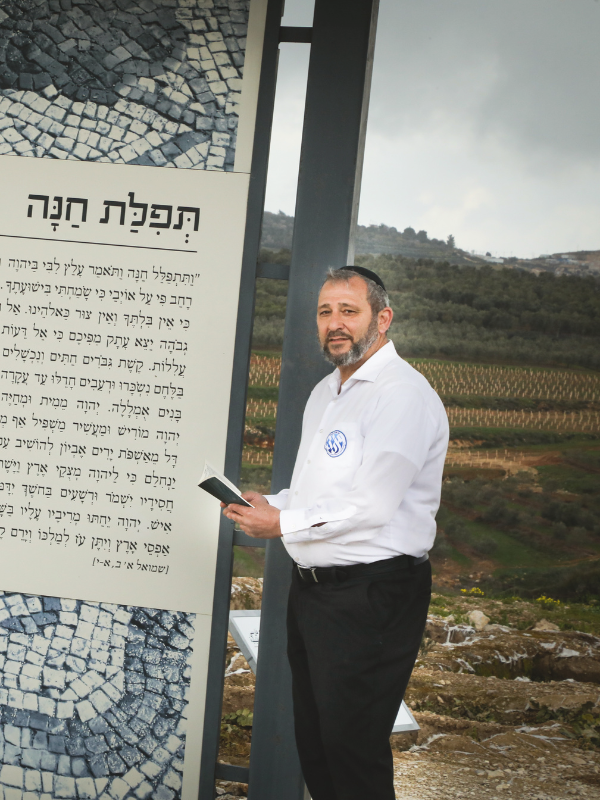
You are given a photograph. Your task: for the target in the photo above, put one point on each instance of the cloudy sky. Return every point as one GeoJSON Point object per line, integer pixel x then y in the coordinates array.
{"type": "Point", "coordinates": [484, 122]}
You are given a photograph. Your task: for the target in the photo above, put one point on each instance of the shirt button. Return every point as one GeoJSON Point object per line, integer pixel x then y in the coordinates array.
{"type": "Point", "coordinates": [308, 462]}
{"type": "Point", "coordinates": [321, 431]}
{"type": "Point", "coordinates": [295, 492]}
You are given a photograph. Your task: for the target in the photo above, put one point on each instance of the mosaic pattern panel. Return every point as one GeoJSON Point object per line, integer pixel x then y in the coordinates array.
{"type": "Point", "coordinates": [93, 700]}
{"type": "Point", "coordinates": [152, 82]}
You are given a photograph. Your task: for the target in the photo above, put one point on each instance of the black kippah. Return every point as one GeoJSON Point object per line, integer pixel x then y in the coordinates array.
{"type": "Point", "coordinates": [366, 273]}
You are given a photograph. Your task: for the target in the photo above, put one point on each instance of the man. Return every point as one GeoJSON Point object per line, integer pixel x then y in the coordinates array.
{"type": "Point", "coordinates": [358, 520]}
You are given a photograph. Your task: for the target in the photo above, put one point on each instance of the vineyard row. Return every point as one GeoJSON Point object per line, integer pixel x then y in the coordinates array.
{"type": "Point", "coordinates": [476, 380]}
{"type": "Point", "coordinates": [575, 421]}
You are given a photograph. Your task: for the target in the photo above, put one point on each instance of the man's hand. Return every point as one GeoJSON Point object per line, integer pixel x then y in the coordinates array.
{"type": "Point", "coordinates": [255, 498]}
{"type": "Point", "coordinates": [261, 522]}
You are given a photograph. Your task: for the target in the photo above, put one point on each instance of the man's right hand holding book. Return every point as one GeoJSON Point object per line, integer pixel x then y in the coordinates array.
{"type": "Point", "coordinates": [260, 522]}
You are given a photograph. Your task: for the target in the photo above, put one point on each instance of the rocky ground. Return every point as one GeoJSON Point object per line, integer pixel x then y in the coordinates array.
{"type": "Point", "coordinates": [508, 703]}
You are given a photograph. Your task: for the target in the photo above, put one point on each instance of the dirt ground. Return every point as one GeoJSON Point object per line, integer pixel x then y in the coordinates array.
{"type": "Point", "coordinates": [503, 712]}
{"type": "Point", "coordinates": [529, 763]}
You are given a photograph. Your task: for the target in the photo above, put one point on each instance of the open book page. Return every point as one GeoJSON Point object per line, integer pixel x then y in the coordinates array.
{"type": "Point", "coordinates": [218, 486]}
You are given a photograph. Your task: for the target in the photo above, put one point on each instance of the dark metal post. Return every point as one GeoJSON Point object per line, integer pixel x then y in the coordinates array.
{"type": "Point", "coordinates": [326, 209]}
{"type": "Point", "coordinates": [237, 407]}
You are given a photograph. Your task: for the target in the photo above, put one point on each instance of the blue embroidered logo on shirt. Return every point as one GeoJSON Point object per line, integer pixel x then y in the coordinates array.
{"type": "Point", "coordinates": [336, 444]}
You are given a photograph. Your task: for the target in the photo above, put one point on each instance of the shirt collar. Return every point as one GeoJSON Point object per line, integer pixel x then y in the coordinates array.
{"type": "Point", "coordinates": [369, 371]}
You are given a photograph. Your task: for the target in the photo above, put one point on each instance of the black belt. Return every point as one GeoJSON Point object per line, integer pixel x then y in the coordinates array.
{"type": "Point", "coordinates": [340, 574]}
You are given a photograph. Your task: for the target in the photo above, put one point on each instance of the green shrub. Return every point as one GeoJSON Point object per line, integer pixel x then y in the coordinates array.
{"type": "Point", "coordinates": [485, 546]}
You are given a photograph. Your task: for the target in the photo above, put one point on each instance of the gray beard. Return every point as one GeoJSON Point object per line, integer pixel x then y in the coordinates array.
{"type": "Point", "coordinates": [357, 350]}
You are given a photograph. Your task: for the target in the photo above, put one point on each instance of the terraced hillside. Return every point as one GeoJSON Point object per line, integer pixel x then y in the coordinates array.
{"type": "Point", "coordinates": [505, 689]}
{"type": "Point", "coordinates": [520, 511]}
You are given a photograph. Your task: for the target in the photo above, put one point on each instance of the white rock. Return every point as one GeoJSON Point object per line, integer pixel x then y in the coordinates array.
{"type": "Point", "coordinates": [566, 653]}
{"type": "Point", "coordinates": [478, 620]}
{"type": "Point", "coordinates": [544, 625]}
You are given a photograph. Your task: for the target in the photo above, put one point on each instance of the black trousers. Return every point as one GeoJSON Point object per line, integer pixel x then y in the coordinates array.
{"type": "Point", "coordinates": [352, 647]}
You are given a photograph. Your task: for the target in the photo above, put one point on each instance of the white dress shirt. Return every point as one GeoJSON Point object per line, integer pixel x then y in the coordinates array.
{"type": "Point", "coordinates": [369, 467]}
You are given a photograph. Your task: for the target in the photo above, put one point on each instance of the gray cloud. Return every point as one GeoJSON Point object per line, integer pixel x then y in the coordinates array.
{"type": "Point", "coordinates": [484, 122]}
{"type": "Point", "coordinates": [523, 74]}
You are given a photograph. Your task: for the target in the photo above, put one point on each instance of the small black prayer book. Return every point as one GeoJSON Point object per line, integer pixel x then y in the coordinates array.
{"type": "Point", "coordinates": [216, 484]}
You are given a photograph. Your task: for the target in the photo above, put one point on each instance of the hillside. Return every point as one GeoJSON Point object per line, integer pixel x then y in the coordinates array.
{"type": "Point", "coordinates": [515, 357]}
{"type": "Point", "coordinates": [476, 313]}
{"type": "Point", "coordinates": [376, 239]}
{"type": "Point", "coordinates": [381, 239]}
{"type": "Point", "coordinates": [505, 688]}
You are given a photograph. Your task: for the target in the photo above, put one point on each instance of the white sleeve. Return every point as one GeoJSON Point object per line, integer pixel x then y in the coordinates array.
{"type": "Point", "coordinates": [278, 500]}
{"type": "Point", "coordinates": [399, 435]}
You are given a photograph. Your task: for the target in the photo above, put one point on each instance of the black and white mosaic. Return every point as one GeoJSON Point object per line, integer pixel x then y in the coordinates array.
{"type": "Point", "coordinates": [152, 82]}
{"type": "Point", "coordinates": [93, 699]}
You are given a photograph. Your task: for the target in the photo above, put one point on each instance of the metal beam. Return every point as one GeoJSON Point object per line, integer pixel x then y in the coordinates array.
{"type": "Point", "coordinates": [287, 33]}
{"type": "Point", "coordinates": [241, 539]}
{"type": "Point", "coordinates": [268, 269]}
{"type": "Point", "coordinates": [327, 200]}
{"type": "Point", "coordinates": [325, 219]}
{"type": "Point", "coordinates": [232, 772]}
{"type": "Point", "coordinates": [237, 405]}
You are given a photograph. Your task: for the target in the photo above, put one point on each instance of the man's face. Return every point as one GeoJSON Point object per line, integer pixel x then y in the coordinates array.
{"type": "Point", "coordinates": [345, 321]}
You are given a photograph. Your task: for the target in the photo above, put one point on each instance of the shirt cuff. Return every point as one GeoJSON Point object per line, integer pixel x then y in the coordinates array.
{"type": "Point", "coordinates": [276, 500]}
{"type": "Point", "coordinates": [309, 523]}
{"type": "Point", "coordinates": [294, 520]}
{"type": "Point", "coordinates": [297, 536]}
